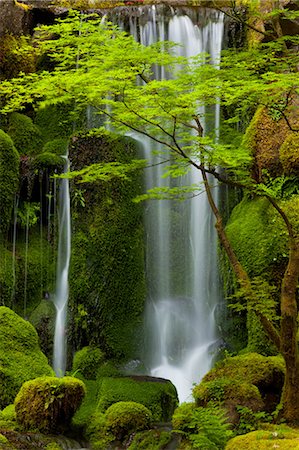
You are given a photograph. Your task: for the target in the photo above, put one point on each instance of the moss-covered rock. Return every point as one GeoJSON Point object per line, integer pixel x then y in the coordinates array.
{"type": "Point", "coordinates": [289, 154]}
{"type": "Point", "coordinates": [263, 139]}
{"type": "Point", "coordinates": [124, 418]}
{"type": "Point", "coordinates": [48, 403]}
{"type": "Point", "coordinates": [259, 238]}
{"type": "Point", "coordinates": [157, 394]}
{"type": "Point", "coordinates": [9, 173]}
{"type": "Point", "coordinates": [229, 393]}
{"type": "Point", "coordinates": [87, 361]}
{"type": "Point", "coordinates": [57, 146]}
{"type": "Point", "coordinates": [24, 360]}
{"type": "Point", "coordinates": [279, 437]}
{"type": "Point", "coordinates": [243, 380]}
{"type": "Point", "coordinates": [107, 282]}
{"type": "Point", "coordinates": [258, 235]}
{"type": "Point", "coordinates": [25, 134]}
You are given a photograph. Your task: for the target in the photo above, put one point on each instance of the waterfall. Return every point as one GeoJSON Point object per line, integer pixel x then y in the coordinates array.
{"type": "Point", "coordinates": [181, 262]}
{"type": "Point", "coordinates": [62, 287]}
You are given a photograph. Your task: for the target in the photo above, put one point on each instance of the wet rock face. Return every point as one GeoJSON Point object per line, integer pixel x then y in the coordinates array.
{"type": "Point", "coordinates": [13, 19]}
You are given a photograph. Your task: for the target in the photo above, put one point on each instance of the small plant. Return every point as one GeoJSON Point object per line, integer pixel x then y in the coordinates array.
{"type": "Point", "coordinates": [206, 428]}
{"type": "Point", "coordinates": [250, 420]}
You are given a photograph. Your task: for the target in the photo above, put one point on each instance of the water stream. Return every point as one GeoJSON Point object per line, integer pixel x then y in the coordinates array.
{"type": "Point", "coordinates": [62, 286]}
{"type": "Point", "coordinates": [181, 262]}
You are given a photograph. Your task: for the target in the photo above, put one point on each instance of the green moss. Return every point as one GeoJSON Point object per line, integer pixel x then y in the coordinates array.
{"type": "Point", "coordinates": [107, 265]}
{"type": "Point", "coordinates": [259, 238]}
{"type": "Point", "coordinates": [124, 418]}
{"type": "Point", "coordinates": [87, 361]}
{"type": "Point", "coordinates": [151, 439]}
{"type": "Point", "coordinates": [48, 160]}
{"type": "Point", "coordinates": [8, 413]}
{"type": "Point", "coordinates": [9, 173]}
{"type": "Point", "coordinates": [57, 146]}
{"type": "Point", "coordinates": [258, 235]}
{"type": "Point", "coordinates": [289, 154]}
{"type": "Point", "coordinates": [82, 416]}
{"type": "Point", "coordinates": [25, 134]}
{"type": "Point", "coordinates": [16, 55]}
{"type": "Point", "coordinates": [48, 403]}
{"type": "Point", "coordinates": [57, 123]}
{"type": "Point", "coordinates": [250, 380]}
{"type": "Point", "coordinates": [280, 437]}
{"type": "Point", "coordinates": [24, 360]}
{"type": "Point", "coordinates": [252, 367]}
{"type": "Point", "coordinates": [3, 440]}
{"type": "Point", "coordinates": [226, 389]}
{"type": "Point", "coordinates": [159, 397]}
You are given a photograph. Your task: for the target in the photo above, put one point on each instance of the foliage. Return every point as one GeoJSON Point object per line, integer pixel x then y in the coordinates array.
{"type": "Point", "coordinates": [25, 134]}
{"type": "Point", "coordinates": [250, 420]}
{"type": "Point", "coordinates": [24, 360]}
{"type": "Point", "coordinates": [87, 361]}
{"type": "Point", "coordinates": [27, 214]}
{"type": "Point", "coordinates": [159, 397]}
{"type": "Point", "coordinates": [16, 55]}
{"type": "Point", "coordinates": [9, 171]}
{"type": "Point", "coordinates": [124, 418]}
{"type": "Point", "coordinates": [204, 427]}
{"type": "Point", "coordinates": [48, 403]}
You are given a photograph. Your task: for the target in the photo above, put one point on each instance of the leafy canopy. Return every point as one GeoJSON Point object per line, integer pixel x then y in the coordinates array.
{"type": "Point", "coordinates": [97, 64]}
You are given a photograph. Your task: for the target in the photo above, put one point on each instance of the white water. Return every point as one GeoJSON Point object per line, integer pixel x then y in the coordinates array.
{"type": "Point", "coordinates": [181, 261]}
{"type": "Point", "coordinates": [62, 286]}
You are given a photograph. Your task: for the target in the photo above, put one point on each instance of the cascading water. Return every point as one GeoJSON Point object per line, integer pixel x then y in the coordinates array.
{"type": "Point", "coordinates": [181, 259]}
{"type": "Point", "coordinates": [62, 286]}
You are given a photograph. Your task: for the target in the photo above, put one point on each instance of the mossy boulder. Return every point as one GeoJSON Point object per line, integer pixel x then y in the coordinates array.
{"type": "Point", "coordinates": [25, 134]}
{"type": "Point", "coordinates": [9, 177]}
{"type": "Point", "coordinates": [157, 394]}
{"type": "Point", "coordinates": [289, 154]}
{"type": "Point", "coordinates": [24, 360]}
{"type": "Point", "coordinates": [278, 437]}
{"type": "Point", "coordinates": [229, 393]}
{"type": "Point", "coordinates": [249, 380]}
{"type": "Point", "coordinates": [48, 403]}
{"type": "Point", "coordinates": [87, 361]}
{"type": "Point", "coordinates": [107, 282]}
{"type": "Point", "coordinates": [124, 418]}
